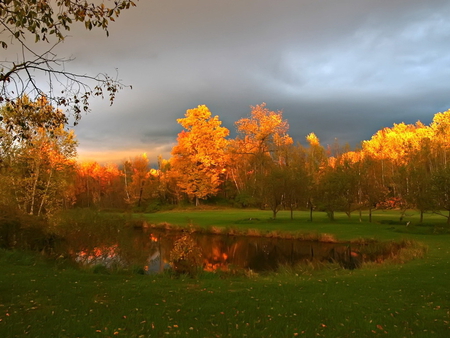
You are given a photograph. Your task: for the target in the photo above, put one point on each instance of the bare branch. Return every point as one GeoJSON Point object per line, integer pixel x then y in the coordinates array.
{"type": "Point", "coordinates": [45, 20]}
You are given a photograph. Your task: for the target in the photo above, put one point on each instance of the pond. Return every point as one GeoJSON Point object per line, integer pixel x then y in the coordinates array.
{"type": "Point", "coordinates": [150, 250]}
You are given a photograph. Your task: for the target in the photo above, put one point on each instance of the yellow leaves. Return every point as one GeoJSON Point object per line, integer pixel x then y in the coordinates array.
{"type": "Point", "coordinates": [199, 156]}
{"type": "Point", "coordinates": [313, 140]}
{"type": "Point", "coordinates": [441, 121]}
{"type": "Point", "coordinates": [263, 134]}
{"type": "Point", "coordinates": [264, 126]}
{"type": "Point", "coordinates": [397, 142]}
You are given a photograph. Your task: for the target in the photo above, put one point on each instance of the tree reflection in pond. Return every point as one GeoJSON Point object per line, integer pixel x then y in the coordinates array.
{"type": "Point", "coordinates": [151, 249]}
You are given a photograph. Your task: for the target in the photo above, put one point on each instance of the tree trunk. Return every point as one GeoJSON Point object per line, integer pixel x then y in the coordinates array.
{"type": "Point", "coordinates": [88, 193]}
{"type": "Point", "coordinates": [33, 192]}
{"type": "Point", "coordinates": [370, 215]}
{"type": "Point", "coordinates": [402, 214]}
{"type": "Point", "coordinates": [330, 215]}
{"type": "Point", "coordinates": [141, 191]}
{"type": "Point", "coordinates": [45, 192]}
{"type": "Point", "coordinates": [274, 213]}
{"type": "Point", "coordinates": [126, 182]}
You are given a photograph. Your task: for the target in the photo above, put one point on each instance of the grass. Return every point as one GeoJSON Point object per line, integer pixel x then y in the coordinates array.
{"type": "Point", "coordinates": [39, 298]}
{"type": "Point", "coordinates": [383, 226]}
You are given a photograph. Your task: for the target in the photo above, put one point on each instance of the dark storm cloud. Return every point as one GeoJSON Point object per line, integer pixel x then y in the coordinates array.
{"type": "Point", "coordinates": [342, 69]}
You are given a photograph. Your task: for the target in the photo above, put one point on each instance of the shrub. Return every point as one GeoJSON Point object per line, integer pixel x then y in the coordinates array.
{"type": "Point", "coordinates": [18, 230]}
{"type": "Point", "coordinates": [186, 256]}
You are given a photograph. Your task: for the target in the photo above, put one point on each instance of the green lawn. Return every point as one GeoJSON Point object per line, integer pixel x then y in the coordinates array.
{"type": "Point", "coordinates": [41, 299]}
{"type": "Point", "coordinates": [343, 227]}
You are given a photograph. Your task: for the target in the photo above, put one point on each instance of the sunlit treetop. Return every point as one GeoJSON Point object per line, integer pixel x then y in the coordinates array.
{"type": "Point", "coordinates": [441, 124]}
{"type": "Point", "coordinates": [351, 157]}
{"type": "Point", "coordinates": [397, 142]}
{"type": "Point", "coordinates": [199, 158]}
{"type": "Point", "coordinates": [312, 139]}
{"type": "Point", "coordinates": [204, 139]}
{"type": "Point", "coordinates": [263, 130]}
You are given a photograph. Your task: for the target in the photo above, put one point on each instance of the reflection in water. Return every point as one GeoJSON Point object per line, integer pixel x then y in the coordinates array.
{"type": "Point", "coordinates": [150, 249]}
{"type": "Point", "coordinates": [106, 255]}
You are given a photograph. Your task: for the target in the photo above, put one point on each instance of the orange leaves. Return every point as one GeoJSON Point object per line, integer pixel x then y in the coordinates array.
{"type": "Point", "coordinates": [204, 139]}
{"type": "Point", "coordinates": [103, 175]}
{"type": "Point", "coordinates": [312, 139]}
{"type": "Point", "coordinates": [263, 130]}
{"type": "Point", "coordinates": [200, 155]}
{"type": "Point", "coordinates": [397, 142]}
{"type": "Point", "coordinates": [441, 123]}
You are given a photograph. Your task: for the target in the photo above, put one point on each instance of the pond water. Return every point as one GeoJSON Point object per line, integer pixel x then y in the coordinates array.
{"type": "Point", "coordinates": [149, 249]}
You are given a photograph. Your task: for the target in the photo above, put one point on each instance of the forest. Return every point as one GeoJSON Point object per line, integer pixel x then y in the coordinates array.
{"type": "Point", "coordinates": [402, 167]}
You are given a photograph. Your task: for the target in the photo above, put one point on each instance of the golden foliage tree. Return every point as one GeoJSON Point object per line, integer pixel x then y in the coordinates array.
{"type": "Point", "coordinates": [263, 132]}
{"type": "Point", "coordinates": [36, 172]}
{"type": "Point", "coordinates": [260, 144]}
{"type": "Point", "coordinates": [138, 180]}
{"type": "Point", "coordinates": [99, 185]}
{"type": "Point", "coordinates": [199, 158]}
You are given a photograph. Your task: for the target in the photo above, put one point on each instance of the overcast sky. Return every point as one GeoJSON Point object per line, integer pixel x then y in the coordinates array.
{"type": "Point", "coordinates": [339, 68]}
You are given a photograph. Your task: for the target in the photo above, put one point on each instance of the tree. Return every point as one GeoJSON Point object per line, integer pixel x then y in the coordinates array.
{"type": "Point", "coordinates": [39, 170]}
{"type": "Point", "coordinates": [263, 132]}
{"type": "Point", "coordinates": [372, 190]}
{"type": "Point", "coordinates": [99, 186]}
{"type": "Point", "coordinates": [199, 159]}
{"type": "Point", "coordinates": [441, 137]}
{"type": "Point", "coordinates": [297, 181]}
{"type": "Point", "coordinates": [138, 179]}
{"type": "Point", "coordinates": [46, 22]}
{"type": "Point", "coordinates": [274, 187]}
{"type": "Point", "coordinates": [440, 187]}
{"type": "Point", "coordinates": [257, 146]}
{"type": "Point", "coordinates": [315, 163]}
{"type": "Point", "coordinates": [337, 188]}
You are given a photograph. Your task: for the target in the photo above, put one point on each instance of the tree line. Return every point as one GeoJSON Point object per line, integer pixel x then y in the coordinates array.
{"type": "Point", "coordinates": [404, 166]}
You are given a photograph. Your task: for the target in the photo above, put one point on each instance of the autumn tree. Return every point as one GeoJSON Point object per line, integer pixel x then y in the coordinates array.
{"type": "Point", "coordinates": [440, 128]}
{"type": "Point", "coordinates": [316, 161]}
{"type": "Point", "coordinates": [139, 181]}
{"type": "Point", "coordinates": [440, 192]}
{"type": "Point", "coordinates": [274, 187]}
{"type": "Point", "coordinates": [297, 180]}
{"type": "Point", "coordinates": [199, 159]}
{"type": "Point", "coordinates": [372, 191]}
{"type": "Point", "coordinates": [387, 150]}
{"type": "Point", "coordinates": [405, 155]}
{"type": "Point", "coordinates": [439, 153]}
{"type": "Point", "coordinates": [99, 186]}
{"type": "Point", "coordinates": [285, 185]}
{"type": "Point", "coordinates": [256, 147]}
{"type": "Point", "coordinates": [39, 170]}
{"type": "Point", "coordinates": [30, 26]}
{"type": "Point", "coordinates": [337, 190]}
{"type": "Point", "coordinates": [349, 164]}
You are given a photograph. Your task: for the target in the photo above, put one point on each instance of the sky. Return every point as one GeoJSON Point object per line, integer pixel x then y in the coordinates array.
{"type": "Point", "coordinates": [342, 69]}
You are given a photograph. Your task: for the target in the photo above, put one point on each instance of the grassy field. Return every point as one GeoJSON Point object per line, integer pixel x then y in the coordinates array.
{"type": "Point", "coordinates": [343, 228]}
{"type": "Point", "coordinates": [41, 298]}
